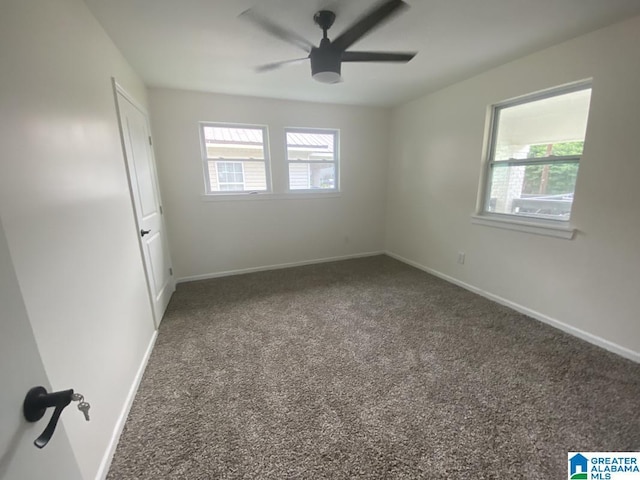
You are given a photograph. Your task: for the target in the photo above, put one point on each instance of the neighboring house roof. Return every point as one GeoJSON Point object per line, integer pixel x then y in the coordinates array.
{"type": "Point", "coordinates": [253, 136]}
{"type": "Point", "coordinates": [246, 136]}
{"type": "Point", "coordinates": [317, 140]}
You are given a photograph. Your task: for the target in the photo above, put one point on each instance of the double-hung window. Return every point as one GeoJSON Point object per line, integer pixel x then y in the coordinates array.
{"type": "Point", "coordinates": [534, 155]}
{"type": "Point", "coordinates": [236, 158]}
{"type": "Point", "coordinates": [312, 158]}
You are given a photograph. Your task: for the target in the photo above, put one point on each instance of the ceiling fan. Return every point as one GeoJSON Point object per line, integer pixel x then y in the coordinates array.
{"type": "Point", "coordinates": [326, 59]}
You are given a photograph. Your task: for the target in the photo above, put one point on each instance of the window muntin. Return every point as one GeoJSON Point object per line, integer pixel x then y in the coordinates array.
{"type": "Point", "coordinates": [312, 157]}
{"type": "Point", "coordinates": [535, 154]}
{"type": "Point", "coordinates": [235, 158]}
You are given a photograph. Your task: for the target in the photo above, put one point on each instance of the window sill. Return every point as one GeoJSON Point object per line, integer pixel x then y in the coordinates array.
{"type": "Point", "coordinates": [267, 196]}
{"type": "Point", "coordinates": [538, 228]}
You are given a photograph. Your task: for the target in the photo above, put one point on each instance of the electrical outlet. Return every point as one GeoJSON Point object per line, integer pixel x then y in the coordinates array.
{"type": "Point", "coordinates": [461, 258]}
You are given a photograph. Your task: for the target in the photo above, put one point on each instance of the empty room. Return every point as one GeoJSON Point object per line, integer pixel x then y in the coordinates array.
{"type": "Point", "coordinates": [337, 239]}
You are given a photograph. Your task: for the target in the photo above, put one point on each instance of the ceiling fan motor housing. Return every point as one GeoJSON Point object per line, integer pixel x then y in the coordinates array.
{"type": "Point", "coordinates": [326, 58]}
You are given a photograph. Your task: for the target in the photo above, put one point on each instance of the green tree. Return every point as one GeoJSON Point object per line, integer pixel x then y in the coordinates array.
{"type": "Point", "coordinates": [561, 178]}
{"type": "Point", "coordinates": [557, 149]}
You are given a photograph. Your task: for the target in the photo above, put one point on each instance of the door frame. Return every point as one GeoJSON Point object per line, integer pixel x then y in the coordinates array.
{"type": "Point", "coordinates": [119, 90]}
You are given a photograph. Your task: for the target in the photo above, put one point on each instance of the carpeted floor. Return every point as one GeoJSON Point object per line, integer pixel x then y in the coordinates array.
{"type": "Point", "coordinates": [369, 369]}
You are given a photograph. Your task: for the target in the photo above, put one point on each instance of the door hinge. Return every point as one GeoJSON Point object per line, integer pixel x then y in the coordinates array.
{"type": "Point", "coordinates": [160, 209]}
{"type": "Point", "coordinates": [150, 143]}
{"type": "Point", "coordinates": [170, 271]}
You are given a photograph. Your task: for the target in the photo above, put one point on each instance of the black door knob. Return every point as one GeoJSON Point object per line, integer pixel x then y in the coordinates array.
{"type": "Point", "coordinates": [36, 403]}
{"type": "Point", "coordinates": [144, 232]}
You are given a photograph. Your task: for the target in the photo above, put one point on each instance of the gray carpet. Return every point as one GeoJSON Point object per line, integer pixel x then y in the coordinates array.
{"type": "Point", "coordinates": [368, 369]}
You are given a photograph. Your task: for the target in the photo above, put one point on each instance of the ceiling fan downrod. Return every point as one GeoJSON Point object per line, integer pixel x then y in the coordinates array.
{"type": "Point", "coordinates": [324, 19]}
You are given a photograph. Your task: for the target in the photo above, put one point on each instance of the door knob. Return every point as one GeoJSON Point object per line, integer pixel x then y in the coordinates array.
{"type": "Point", "coordinates": [144, 232]}
{"type": "Point", "coordinates": [38, 400]}
{"type": "Point", "coordinates": [36, 403]}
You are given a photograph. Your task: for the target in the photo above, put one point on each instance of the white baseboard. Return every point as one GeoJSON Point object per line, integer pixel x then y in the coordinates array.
{"type": "Point", "coordinates": [117, 431]}
{"type": "Point", "coordinates": [576, 332]}
{"type": "Point", "coordinates": [278, 266]}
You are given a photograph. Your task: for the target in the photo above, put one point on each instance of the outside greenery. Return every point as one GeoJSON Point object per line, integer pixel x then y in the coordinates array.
{"type": "Point", "coordinates": [552, 179]}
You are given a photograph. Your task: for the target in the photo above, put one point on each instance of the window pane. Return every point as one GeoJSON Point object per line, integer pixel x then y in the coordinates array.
{"type": "Point", "coordinates": [234, 142]}
{"type": "Point", "coordinates": [310, 146]}
{"type": "Point", "coordinates": [299, 176]}
{"type": "Point", "coordinates": [255, 176]}
{"type": "Point", "coordinates": [231, 187]}
{"type": "Point", "coordinates": [541, 191]}
{"type": "Point", "coordinates": [556, 149]}
{"type": "Point", "coordinates": [230, 176]}
{"type": "Point", "coordinates": [237, 176]}
{"type": "Point", "coordinates": [550, 126]}
{"type": "Point", "coordinates": [307, 176]}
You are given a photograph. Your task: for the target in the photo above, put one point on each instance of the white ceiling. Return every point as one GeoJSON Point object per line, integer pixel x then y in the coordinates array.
{"type": "Point", "coordinates": [203, 45]}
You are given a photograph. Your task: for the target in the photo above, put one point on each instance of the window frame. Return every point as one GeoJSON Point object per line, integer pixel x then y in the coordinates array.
{"type": "Point", "coordinates": [336, 160]}
{"type": "Point", "coordinates": [205, 160]}
{"type": "Point", "coordinates": [548, 226]}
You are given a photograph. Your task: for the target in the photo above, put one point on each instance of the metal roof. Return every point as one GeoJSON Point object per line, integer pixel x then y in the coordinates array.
{"type": "Point", "coordinates": [317, 140]}
{"type": "Point", "coordinates": [254, 136]}
{"type": "Point", "coordinates": [245, 136]}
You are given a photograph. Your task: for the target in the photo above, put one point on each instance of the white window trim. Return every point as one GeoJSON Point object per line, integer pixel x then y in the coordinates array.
{"type": "Point", "coordinates": [205, 160]}
{"type": "Point", "coordinates": [538, 227]}
{"type": "Point", "coordinates": [262, 196]}
{"type": "Point", "coordinates": [552, 228]}
{"type": "Point", "coordinates": [335, 161]}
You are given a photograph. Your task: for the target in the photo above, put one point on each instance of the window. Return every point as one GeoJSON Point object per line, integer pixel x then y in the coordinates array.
{"type": "Point", "coordinates": [230, 176]}
{"type": "Point", "coordinates": [534, 156]}
{"type": "Point", "coordinates": [312, 157]}
{"type": "Point", "coordinates": [235, 158]}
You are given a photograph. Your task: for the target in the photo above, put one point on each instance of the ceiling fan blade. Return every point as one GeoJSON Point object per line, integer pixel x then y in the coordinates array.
{"type": "Point", "coordinates": [383, 11]}
{"type": "Point", "coordinates": [278, 31]}
{"type": "Point", "coordinates": [267, 67]}
{"type": "Point", "coordinates": [400, 57]}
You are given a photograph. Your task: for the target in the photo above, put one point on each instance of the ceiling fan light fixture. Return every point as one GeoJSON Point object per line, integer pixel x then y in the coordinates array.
{"type": "Point", "coordinates": [327, 77]}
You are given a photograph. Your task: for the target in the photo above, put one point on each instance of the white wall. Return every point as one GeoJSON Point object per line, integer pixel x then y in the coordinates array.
{"type": "Point", "coordinates": [66, 209]}
{"type": "Point", "coordinates": [209, 237]}
{"type": "Point", "coordinates": [591, 283]}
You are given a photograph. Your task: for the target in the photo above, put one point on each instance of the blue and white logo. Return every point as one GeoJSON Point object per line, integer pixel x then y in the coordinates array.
{"type": "Point", "coordinates": [604, 465]}
{"type": "Point", "coordinates": [578, 466]}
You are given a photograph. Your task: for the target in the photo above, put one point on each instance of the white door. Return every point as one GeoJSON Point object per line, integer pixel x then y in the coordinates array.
{"type": "Point", "coordinates": [20, 369]}
{"type": "Point", "coordinates": [136, 139]}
